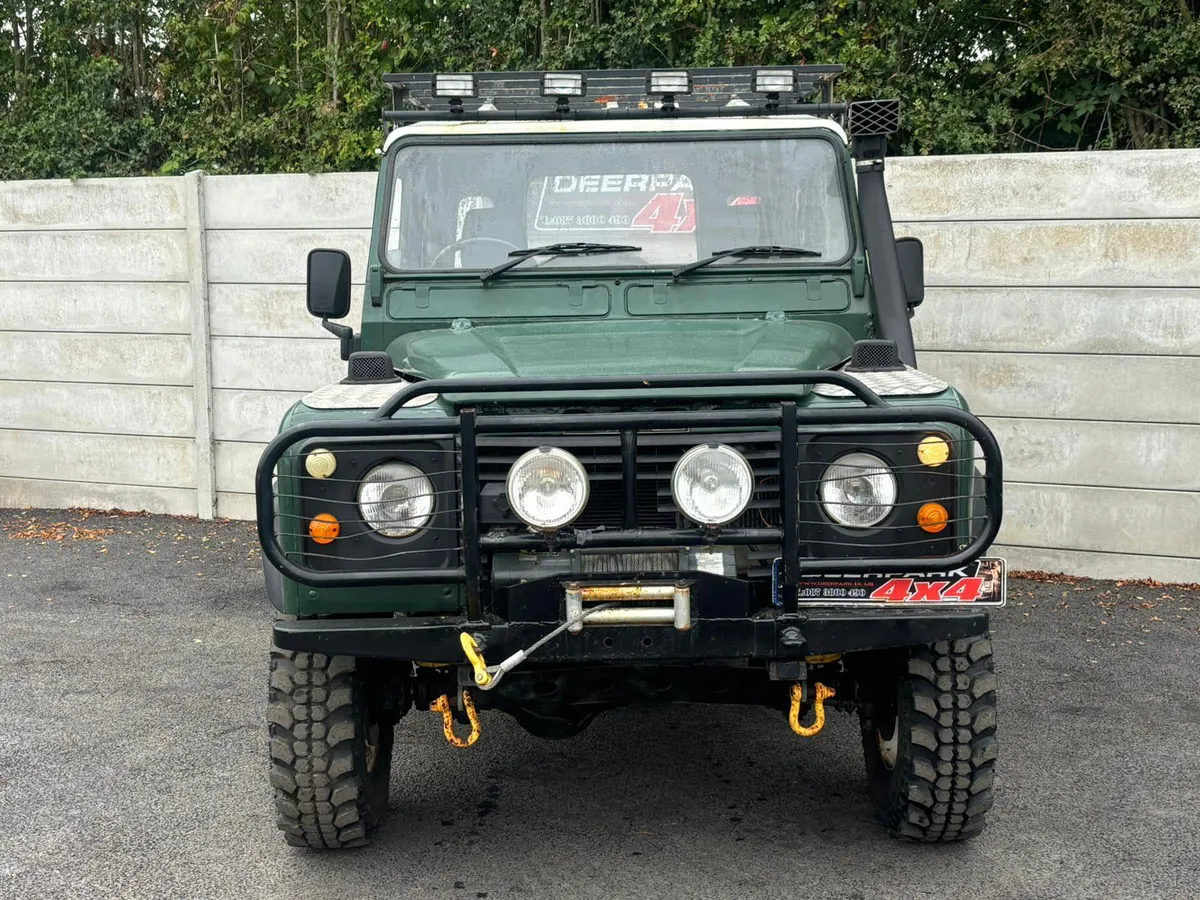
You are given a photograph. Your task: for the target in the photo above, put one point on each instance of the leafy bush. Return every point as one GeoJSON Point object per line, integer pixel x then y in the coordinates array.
{"type": "Point", "coordinates": [124, 87]}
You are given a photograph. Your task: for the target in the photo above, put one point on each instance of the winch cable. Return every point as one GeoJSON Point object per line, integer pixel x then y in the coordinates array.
{"type": "Point", "coordinates": [487, 677]}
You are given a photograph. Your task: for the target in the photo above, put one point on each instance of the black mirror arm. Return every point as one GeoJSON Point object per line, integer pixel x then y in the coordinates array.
{"type": "Point", "coordinates": [344, 333]}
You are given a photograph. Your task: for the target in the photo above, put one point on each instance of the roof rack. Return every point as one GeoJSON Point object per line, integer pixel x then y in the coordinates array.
{"type": "Point", "coordinates": [641, 94]}
{"type": "Point", "coordinates": [614, 93]}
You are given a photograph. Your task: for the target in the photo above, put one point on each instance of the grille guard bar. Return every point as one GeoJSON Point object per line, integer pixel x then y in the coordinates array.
{"type": "Point", "coordinates": [782, 413]}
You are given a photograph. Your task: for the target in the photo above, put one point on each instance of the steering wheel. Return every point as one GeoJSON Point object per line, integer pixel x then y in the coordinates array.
{"type": "Point", "coordinates": [466, 242]}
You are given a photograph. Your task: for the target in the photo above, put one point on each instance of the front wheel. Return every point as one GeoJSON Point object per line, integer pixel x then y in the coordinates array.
{"type": "Point", "coordinates": [331, 736]}
{"type": "Point", "coordinates": [929, 738]}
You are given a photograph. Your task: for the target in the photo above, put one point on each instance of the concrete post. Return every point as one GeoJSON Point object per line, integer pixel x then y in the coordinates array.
{"type": "Point", "coordinates": [206, 494]}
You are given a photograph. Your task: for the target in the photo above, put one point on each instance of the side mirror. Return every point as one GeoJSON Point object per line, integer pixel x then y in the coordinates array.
{"type": "Point", "coordinates": [910, 253]}
{"type": "Point", "coordinates": [328, 283]}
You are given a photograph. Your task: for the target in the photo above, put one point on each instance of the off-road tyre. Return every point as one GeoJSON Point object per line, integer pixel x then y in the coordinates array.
{"type": "Point", "coordinates": [941, 701]}
{"type": "Point", "coordinates": [331, 750]}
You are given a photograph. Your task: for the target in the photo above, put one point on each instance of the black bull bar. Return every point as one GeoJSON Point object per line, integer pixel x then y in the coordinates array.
{"type": "Point", "coordinates": [772, 410]}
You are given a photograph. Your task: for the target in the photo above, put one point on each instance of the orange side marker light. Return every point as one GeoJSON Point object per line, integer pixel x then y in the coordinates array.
{"type": "Point", "coordinates": [933, 517]}
{"type": "Point", "coordinates": [324, 528]}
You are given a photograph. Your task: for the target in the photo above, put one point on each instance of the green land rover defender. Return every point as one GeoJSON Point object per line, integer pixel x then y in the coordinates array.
{"type": "Point", "coordinates": [633, 416]}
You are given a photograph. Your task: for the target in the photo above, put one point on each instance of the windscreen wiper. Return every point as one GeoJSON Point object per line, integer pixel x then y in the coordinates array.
{"type": "Point", "coordinates": [719, 255]}
{"type": "Point", "coordinates": [576, 248]}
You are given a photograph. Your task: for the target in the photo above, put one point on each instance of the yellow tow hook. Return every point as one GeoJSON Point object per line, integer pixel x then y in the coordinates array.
{"type": "Point", "coordinates": [823, 694]}
{"type": "Point", "coordinates": [442, 705]}
{"type": "Point", "coordinates": [482, 676]}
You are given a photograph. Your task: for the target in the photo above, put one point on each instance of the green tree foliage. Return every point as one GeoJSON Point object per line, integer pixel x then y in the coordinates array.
{"type": "Point", "coordinates": [122, 87]}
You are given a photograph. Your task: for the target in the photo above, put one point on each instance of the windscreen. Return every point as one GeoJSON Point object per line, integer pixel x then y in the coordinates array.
{"type": "Point", "coordinates": [468, 206]}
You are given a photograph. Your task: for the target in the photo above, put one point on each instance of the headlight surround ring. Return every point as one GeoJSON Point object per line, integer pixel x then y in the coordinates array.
{"type": "Point", "coordinates": [547, 488]}
{"type": "Point", "coordinates": [858, 490]}
{"type": "Point", "coordinates": [712, 484]}
{"type": "Point", "coordinates": [396, 499]}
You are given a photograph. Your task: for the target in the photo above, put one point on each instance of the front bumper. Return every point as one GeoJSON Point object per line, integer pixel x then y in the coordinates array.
{"type": "Point", "coordinates": [767, 637]}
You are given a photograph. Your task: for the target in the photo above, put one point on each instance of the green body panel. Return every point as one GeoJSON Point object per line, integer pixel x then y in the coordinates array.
{"type": "Point", "coordinates": [457, 300]}
{"type": "Point", "coordinates": [762, 293]}
{"type": "Point", "coordinates": [302, 600]}
{"type": "Point", "coordinates": [622, 347]}
{"type": "Point", "coordinates": [570, 322]}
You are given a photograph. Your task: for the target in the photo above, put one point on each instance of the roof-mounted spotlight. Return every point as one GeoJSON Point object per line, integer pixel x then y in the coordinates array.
{"type": "Point", "coordinates": [454, 87]}
{"type": "Point", "coordinates": [562, 86]}
{"type": "Point", "coordinates": [669, 84]}
{"type": "Point", "coordinates": [774, 82]}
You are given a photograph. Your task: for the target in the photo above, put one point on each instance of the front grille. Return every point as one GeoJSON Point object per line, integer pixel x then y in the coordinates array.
{"type": "Point", "coordinates": [657, 453]}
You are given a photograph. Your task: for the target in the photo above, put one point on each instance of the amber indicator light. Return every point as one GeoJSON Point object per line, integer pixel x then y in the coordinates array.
{"type": "Point", "coordinates": [324, 528]}
{"type": "Point", "coordinates": [932, 517]}
{"type": "Point", "coordinates": [933, 451]}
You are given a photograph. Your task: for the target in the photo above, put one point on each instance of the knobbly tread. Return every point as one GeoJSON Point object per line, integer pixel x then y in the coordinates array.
{"type": "Point", "coordinates": [954, 741]}
{"type": "Point", "coordinates": [946, 781]}
{"type": "Point", "coordinates": [318, 766]}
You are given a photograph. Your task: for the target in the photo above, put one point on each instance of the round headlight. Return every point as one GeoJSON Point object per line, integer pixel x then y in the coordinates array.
{"type": "Point", "coordinates": [547, 487]}
{"type": "Point", "coordinates": [712, 484]}
{"type": "Point", "coordinates": [396, 499]}
{"type": "Point", "coordinates": [858, 490]}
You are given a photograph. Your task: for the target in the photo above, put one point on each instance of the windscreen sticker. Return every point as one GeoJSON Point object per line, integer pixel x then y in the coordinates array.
{"type": "Point", "coordinates": [657, 202]}
{"type": "Point", "coordinates": [667, 214]}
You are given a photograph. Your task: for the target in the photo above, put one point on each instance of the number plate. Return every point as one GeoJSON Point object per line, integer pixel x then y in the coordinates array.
{"type": "Point", "coordinates": [981, 583]}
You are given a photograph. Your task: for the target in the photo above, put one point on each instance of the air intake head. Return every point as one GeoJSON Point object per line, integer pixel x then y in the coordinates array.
{"type": "Point", "coordinates": [370, 366]}
{"type": "Point", "coordinates": [874, 356]}
{"type": "Point", "coordinates": [873, 118]}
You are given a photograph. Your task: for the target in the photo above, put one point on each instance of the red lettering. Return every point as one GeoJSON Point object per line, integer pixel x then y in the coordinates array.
{"type": "Point", "coordinates": [927, 591]}
{"type": "Point", "coordinates": [893, 591]}
{"type": "Point", "coordinates": [965, 589]}
{"type": "Point", "coordinates": [688, 225]}
{"type": "Point", "coordinates": [661, 214]}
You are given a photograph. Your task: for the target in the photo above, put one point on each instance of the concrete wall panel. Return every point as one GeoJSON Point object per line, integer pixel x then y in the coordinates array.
{"type": "Point", "coordinates": [1101, 185]}
{"type": "Point", "coordinates": [266, 310]}
{"type": "Point", "coordinates": [1068, 517]}
{"type": "Point", "coordinates": [235, 466]}
{"type": "Point", "coordinates": [1177, 569]}
{"type": "Point", "coordinates": [235, 506]}
{"type": "Point", "coordinates": [340, 200]}
{"type": "Point", "coordinates": [1047, 386]}
{"type": "Point", "coordinates": [1153, 321]}
{"type": "Point", "coordinates": [18, 493]}
{"type": "Point", "coordinates": [1112, 253]}
{"type": "Point", "coordinates": [96, 358]}
{"type": "Point", "coordinates": [278, 257]}
{"type": "Point", "coordinates": [250, 415]}
{"type": "Point", "coordinates": [116, 307]}
{"type": "Point", "coordinates": [95, 204]}
{"type": "Point", "coordinates": [111, 458]}
{"type": "Point", "coordinates": [93, 256]}
{"type": "Point", "coordinates": [287, 364]}
{"type": "Point", "coordinates": [1108, 454]}
{"type": "Point", "coordinates": [97, 408]}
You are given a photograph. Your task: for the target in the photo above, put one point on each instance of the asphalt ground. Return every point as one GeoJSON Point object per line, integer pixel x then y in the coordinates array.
{"type": "Point", "coordinates": [133, 757]}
